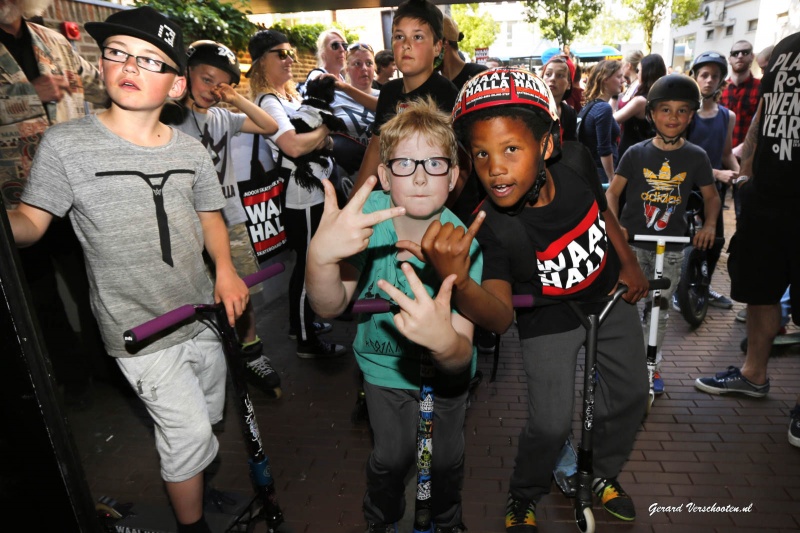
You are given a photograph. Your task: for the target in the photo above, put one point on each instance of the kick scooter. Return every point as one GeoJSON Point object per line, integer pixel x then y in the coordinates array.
{"type": "Point", "coordinates": [423, 502]}
{"type": "Point", "coordinates": [215, 316]}
{"type": "Point", "coordinates": [655, 307]}
{"type": "Point", "coordinates": [592, 322]}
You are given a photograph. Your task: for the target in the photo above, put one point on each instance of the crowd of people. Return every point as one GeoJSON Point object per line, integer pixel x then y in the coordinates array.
{"type": "Point", "coordinates": [452, 187]}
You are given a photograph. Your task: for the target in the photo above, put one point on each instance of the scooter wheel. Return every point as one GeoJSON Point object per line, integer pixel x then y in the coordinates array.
{"type": "Point", "coordinates": [743, 345]}
{"type": "Point", "coordinates": [585, 520]}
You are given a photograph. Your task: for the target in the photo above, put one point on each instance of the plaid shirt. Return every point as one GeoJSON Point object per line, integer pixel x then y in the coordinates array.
{"type": "Point", "coordinates": [742, 100]}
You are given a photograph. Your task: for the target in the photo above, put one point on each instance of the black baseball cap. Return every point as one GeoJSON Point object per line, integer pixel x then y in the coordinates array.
{"type": "Point", "coordinates": [262, 42]}
{"type": "Point", "coordinates": [144, 23]}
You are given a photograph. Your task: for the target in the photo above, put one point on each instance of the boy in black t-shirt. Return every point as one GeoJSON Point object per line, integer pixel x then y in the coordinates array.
{"type": "Point", "coordinates": [417, 31]}
{"type": "Point", "coordinates": [552, 220]}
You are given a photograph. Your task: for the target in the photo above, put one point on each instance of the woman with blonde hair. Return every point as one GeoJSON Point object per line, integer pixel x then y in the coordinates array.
{"type": "Point", "coordinates": [630, 70]}
{"type": "Point", "coordinates": [331, 54]}
{"type": "Point", "coordinates": [597, 128]}
{"type": "Point", "coordinates": [273, 89]}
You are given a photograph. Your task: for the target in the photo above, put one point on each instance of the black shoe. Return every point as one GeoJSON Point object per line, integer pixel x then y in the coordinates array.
{"type": "Point", "coordinates": [319, 350]}
{"type": "Point", "coordinates": [520, 516]}
{"type": "Point", "coordinates": [319, 329]}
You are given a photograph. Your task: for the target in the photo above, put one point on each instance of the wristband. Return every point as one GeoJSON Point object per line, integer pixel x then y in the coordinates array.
{"type": "Point", "coordinates": [740, 179]}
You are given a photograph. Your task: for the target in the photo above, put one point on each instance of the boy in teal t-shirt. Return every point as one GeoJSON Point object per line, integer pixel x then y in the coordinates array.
{"type": "Point", "coordinates": [354, 254]}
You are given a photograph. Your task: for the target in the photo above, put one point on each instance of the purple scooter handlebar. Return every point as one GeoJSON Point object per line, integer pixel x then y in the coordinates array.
{"type": "Point", "coordinates": [380, 305]}
{"type": "Point", "coordinates": [184, 312]}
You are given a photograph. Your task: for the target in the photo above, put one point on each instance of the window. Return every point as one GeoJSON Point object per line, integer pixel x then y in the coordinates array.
{"type": "Point", "coordinates": [710, 35]}
{"type": "Point", "coordinates": [752, 25]}
{"type": "Point", "coordinates": [728, 31]}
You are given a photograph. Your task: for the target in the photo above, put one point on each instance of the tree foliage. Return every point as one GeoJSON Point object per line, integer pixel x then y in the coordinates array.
{"type": "Point", "coordinates": [479, 29]}
{"type": "Point", "coordinates": [304, 36]}
{"type": "Point", "coordinates": [210, 19]}
{"type": "Point", "coordinates": [649, 13]}
{"type": "Point", "coordinates": [562, 20]}
{"type": "Point", "coordinates": [612, 26]}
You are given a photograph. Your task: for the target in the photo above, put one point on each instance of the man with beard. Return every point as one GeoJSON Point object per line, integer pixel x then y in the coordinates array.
{"type": "Point", "coordinates": [740, 96]}
{"type": "Point", "coordinates": [43, 82]}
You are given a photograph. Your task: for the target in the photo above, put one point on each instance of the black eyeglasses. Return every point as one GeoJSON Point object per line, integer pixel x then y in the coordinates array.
{"type": "Point", "coordinates": [359, 46]}
{"type": "Point", "coordinates": [739, 53]}
{"type": "Point", "coordinates": [335, 45]}
{"type": "Point", "coordinates": [405, 166]}
{"type": "Point", "coordinates": [283, 53]}
{"type": "Point", "coordinates": [147, 63]}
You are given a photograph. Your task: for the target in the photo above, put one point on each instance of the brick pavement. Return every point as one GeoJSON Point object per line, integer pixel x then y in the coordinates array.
{"type": "Point", "coordinates": [693, 447]}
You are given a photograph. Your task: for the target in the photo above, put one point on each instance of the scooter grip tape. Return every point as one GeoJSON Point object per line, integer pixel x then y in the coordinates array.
{"type": "Point", "coordinates": [159, 323]}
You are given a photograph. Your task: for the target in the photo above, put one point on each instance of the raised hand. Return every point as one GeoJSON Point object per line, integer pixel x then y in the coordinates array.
{"type": "Point", "coordinates": [446, 247]}
{"type": "Point", "coordinates": [423, 320]}
{"type": "Point", "coordinates": [225, 93]}
{"type": "Point", "coordinates": [345, 232]}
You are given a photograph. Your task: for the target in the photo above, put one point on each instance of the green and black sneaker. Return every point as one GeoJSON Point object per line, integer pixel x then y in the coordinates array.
{"type": "Point", "coordinates": [520, 516]}
{"type": "Point", "coordinates": [614, 498]}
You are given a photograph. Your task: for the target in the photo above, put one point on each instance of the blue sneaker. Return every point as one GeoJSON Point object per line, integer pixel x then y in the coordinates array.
{"type": "Point", "coordinates": [731, 381]}
{"type": "Point", "coordinates": [658, 383]}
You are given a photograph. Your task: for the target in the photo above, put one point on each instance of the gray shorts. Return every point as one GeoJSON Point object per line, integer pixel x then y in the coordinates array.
{"type": "Point", "coordinates": [183, 388]}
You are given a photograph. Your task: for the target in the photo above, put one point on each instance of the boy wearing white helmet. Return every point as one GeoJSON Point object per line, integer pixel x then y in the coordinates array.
{"type": "Point", "coordinates": [545, 228]}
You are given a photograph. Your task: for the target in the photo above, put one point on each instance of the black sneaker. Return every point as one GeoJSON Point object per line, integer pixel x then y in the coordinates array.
{"type": "Point", "coordinates": [794, 426]}
{"type": "Point", "coordinates": [729, 381]}
{"type": "Point", "coordinates": [614, 499]}
{"type": "Point", "coordinates": [520, 516]}
{"type": "Point", "coordinates": [319, 350]}
{"type": "Point", "coordinates": [261, 373]}
{"type": "Point", "coordinates": [381, 528]}
{"type": "Point", "coordinates": [319, 329]}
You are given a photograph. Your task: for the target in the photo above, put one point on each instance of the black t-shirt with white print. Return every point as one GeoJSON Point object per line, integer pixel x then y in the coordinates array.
{"type": "Point", "coordinates": [574, 258]}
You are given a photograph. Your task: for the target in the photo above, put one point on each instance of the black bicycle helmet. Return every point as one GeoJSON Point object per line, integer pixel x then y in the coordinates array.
{"type": "Point", "coordinates": [713, 58]}
{"type": "Point", "coordinates": [674, 87]}
{"type": "Point", "coordinates": [214, 54]}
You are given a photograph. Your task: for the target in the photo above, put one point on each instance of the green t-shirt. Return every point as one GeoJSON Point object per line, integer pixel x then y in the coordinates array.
{"type": "Point", "coordinates": [385, 356]}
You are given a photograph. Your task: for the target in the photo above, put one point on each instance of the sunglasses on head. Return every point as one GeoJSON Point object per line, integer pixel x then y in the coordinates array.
{"type": "Point", "coordinates": [283, 53]}
{"type": "Point", "coordinates": [359, 46]}
{"type": "Point", "coordinates": [739, 53]}
{"type": "Point", "coordinates": [335, 45]}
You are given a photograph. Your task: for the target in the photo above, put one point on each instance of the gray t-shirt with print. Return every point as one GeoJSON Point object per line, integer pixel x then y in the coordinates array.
{"type": "Point", "coordinates": [215, 130]}
{"type": "Point", "coordinates": [134, 210]}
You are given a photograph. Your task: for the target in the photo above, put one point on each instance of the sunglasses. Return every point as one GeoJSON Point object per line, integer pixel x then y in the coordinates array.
{"type": "Point", "coordinates": [739, 53]}
{"type": "Point", "coordinates": [359, 46]}
{"type": "Point", "coordinates": [335, 45]}
{"type": "Point", "coordinates": [283, 53]}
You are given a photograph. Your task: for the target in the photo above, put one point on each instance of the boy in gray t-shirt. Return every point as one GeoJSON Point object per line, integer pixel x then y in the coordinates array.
{"type": "Point", "coordinates": [660, 174]}
{"type": "Point", "coordinates": [144, 201]}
